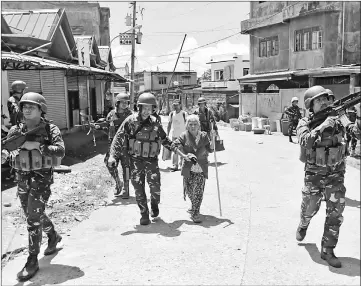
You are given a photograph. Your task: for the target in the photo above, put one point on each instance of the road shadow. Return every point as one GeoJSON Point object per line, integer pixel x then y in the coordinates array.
{"type": "Point", "coordinates": [350, 265]}
{"type": "Point", "coordinates": [219, 164]}
{"type": "Point", "coordinates": [160, 227]}
{"type": "Point", "coordinates": [53, 273]}
{"type": "Point", "coordinates": [167, 170]}
{"type": "Point", "coordinates": [118, 201]}
{"type": "Point", "coordinates": [352, 203]}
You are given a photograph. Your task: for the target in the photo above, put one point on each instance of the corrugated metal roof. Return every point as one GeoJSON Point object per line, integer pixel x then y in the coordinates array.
{"type": "Point", "coordinates": [40, 24]}
{"type": "Point", "coordinates": [44, 64]}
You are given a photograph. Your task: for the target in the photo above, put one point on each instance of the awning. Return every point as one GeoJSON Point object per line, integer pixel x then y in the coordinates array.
{"type": "Point", "coordinates": [15, 61]}
{"type": "Point", "coordinates": [329, 71]}
{"type": "Point", "coordinates": [252, 78]}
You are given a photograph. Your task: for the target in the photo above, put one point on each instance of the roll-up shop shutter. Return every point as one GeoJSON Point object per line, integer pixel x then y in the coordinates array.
{"type": "Point", "coordinates": [54, 92]}
{"type": "Point", "coordinates": [72, 83]}
{"type": "Point", "coordinates": [30, 77]}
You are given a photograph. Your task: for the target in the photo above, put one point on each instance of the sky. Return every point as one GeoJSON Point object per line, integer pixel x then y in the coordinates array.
{"type": "Point", "coordinates": [164, 25]}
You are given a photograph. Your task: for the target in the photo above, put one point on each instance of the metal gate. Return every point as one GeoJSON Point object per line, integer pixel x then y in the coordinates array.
{"type": "Point", "coordinates": [54, 92]}
{"type": "Point", "coordinates": [30, 77]}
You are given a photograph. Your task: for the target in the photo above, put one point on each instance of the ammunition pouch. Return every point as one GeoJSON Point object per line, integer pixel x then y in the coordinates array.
{"type": "Point", "coordinates": [144, 149]}
{"type": "Point", "coordinates": [324, 156]}
{"type": "Point", "coordinates": [31, 160]}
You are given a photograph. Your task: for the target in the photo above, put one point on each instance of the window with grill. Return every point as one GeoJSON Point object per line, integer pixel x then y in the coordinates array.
{"type": "Point", "coordinates": [162, 80]}
{"type": "Point", "coordinates": [269, 47]}
{"type": "Point", "coordinates": [308, 39]}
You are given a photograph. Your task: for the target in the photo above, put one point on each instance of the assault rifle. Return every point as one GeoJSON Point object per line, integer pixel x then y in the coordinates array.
{"type": "Point", "coordinates": [99, 125]}
{"type": "Point", "coordinates": [16, 140]}
{"type": "Point", "coordinates": [337, 109]}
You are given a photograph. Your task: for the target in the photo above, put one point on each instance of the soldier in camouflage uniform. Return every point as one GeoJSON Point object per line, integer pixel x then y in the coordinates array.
{"type": "Point", "coordinates": [351, 137]}
{"type": "Point", "coordinates": [141, 136]}
{"type": "Point", "coordinates": [206, 118]}
{"type": "Point", "coordinates": [36, 175]}
{"type": "Point", "coordinates": [18, 88]}
{"type": "Point", "coordinates": [294, 115]}
{"type": "Point", "coordinates": [115, 119]}
{"type": "Point", "coordinates": [323, 150]}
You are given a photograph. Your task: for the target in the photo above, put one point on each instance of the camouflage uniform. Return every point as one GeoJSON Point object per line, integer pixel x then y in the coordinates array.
{"type": "Point", "coordinates": [34, 187]}
{"type": "Point", "coordinates": [351, 137]}
{"type": "Point", "coordinates": [323, 181]}
{"type": "Point", "coordinates": [206, 118]}
{"type": "Point", "coordinates": [294, 116]}
{"type": "Point", "coordinates": [141, 167]}
{"type": "Point", "coordinates": [13, 107]}
{"type": "Point", "coordinates": [117, 119]}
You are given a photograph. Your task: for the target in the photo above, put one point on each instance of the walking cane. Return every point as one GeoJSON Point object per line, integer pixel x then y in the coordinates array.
{"type": "Point", "coordinates": [215, 162]}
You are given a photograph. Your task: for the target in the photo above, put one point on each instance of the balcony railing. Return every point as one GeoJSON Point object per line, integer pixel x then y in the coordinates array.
{"type": "Point", "coordinates": [228, 84]}
{"type": "Point", "coordinates": [306, 8]}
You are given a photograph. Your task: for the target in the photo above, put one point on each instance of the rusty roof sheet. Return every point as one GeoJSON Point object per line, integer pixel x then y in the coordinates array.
{"type": "Point", "coordinates": [40, 63]}
{"type": "Point", "coordinates": [40, 24]}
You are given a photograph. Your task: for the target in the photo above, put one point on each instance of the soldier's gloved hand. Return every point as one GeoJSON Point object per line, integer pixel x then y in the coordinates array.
{"type": "Point", "coordinates": [31, 145]}
{"type": "Point", "coordinates": [329, 122]}
{"type": "Point", "coordinates": [111, 161]}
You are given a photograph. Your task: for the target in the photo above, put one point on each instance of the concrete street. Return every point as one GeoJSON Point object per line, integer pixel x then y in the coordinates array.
{"type": "Point", "coordinates": [252, 243]}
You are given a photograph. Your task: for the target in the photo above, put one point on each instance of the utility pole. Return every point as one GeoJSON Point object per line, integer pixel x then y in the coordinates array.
{"type": "Point", "coordinates": [133, 56]}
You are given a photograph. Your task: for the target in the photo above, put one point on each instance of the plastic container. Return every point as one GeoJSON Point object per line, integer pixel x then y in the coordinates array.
{"type": "Point", "coordinates": [242, 126]}
{"type": "Point", "coordinates": [233, 122]}
{"type": "Point", "coordinates": [258, 131]}
{"type": "Point", "coordinates": [248, 127]}
{"type": "Point", "coordinates": [255, 122]}
{"type": "Point", "coordinates": [284, 126]}
{"type": "Point", "coordinates": [262, 122]}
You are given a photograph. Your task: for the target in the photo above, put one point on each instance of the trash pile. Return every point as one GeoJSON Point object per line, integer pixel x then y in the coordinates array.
{"type": "Point", "coordinates": [259, 125]}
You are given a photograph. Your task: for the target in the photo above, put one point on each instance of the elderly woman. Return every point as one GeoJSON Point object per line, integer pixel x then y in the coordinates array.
{"type": "Point", "coordinates": [196, 146]}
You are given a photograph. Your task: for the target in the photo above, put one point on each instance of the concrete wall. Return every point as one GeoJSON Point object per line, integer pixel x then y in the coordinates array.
{"type": "Point", "coordinates": [220, 66]}
{"type": "Point", "coordinates": [239, 65]}
{"type": "Point", "coordinates": [248, 103]}
{"type": "Point", "coordinates": [266, 8]}
{"type": "Point", "coordinates": [273, 63]}
{"type": "Point", "coordinates": [5, 94]}
{"type": "Point", "coordinates": [351, 51]}
{"type": "Point", "coordinates": [176, 77]}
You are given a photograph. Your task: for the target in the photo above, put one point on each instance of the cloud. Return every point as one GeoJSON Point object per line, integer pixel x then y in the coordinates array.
{"type": "Point", "coordinates": [198, 58]}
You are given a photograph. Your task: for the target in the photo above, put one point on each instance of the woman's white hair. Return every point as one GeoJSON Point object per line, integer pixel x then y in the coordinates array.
{"type": "Point", "coordinates": [192, 118]}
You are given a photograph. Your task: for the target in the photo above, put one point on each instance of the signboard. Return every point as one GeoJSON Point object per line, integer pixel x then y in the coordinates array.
{"type": "Point", "coordinates": [125, 39]}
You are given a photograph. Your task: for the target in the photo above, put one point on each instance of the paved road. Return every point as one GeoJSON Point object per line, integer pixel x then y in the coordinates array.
{"type": "Point", "coordinates": [252, 243]}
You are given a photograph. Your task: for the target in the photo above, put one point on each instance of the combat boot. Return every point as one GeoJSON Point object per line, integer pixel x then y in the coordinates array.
{"type": "Point", "coordinates": [301, 233]}
{"type": "Point", "coordinates": [125, 191]}
{"type": "Point", "coordinates": [30, 268]}
{"type": "Point", "coordinates": [290, 139]}
{"type": "Point", "coordinates": [53, 240]}
{"type": "Point", "coordinates": [154, 210]}
{"type": "Point", "coordinates": [328, 255]}
{"type": "Point", "coordinates": [144, 220]}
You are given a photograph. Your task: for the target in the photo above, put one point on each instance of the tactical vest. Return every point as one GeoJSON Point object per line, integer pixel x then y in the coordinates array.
{"type": "Point", "coordinates": [32, 160]}
{"type": "Point", "coordinates": [204, 120]}
{"type": "Point", "coordinates": [146, 143]}
{"type": "Point", "coordinates": [330, 151]}
{"type": "Point", "coordinates": [117, 121]}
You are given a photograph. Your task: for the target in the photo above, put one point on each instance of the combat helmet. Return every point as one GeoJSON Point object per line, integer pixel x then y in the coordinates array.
{"type": "Point", "coordinates": [295, 98]}
{"type": "Point", "coordinates": [330, 93]}
{"type": "Point", "coordinates": [122, 97]}
{"type": "Point", "coordinates": [18, 83]}
{"type": "Point", "coordinates": [147, 98]}
{"type": "Point", "coordinates": [313, 93]}
{"type": "Point", "coordinates": [33, 97]}
{"type": "Point", "coordinates": [201, 100]}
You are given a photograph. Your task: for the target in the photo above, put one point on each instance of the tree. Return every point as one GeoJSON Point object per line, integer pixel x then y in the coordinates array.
{"type": "Point", "coordinates": [207, 75]}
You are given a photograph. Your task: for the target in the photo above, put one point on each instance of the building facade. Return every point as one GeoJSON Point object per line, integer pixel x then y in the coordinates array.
{"type": "Point", "coordinates": [295, 45]}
